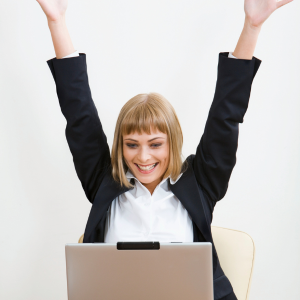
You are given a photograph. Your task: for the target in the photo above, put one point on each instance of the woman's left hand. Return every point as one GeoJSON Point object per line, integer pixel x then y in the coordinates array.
{"type": "Point", "coordinates": [258, 11]}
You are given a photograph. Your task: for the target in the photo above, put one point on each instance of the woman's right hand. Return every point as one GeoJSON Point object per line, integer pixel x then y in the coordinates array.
{"type": "Point", "coordinates": [53, 9]}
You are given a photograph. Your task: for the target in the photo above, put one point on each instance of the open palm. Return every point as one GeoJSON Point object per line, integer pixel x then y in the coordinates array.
{"type": "Point", "coordinates": [258, 11]}
{"type": "Point", "coordinates": [53, 9]}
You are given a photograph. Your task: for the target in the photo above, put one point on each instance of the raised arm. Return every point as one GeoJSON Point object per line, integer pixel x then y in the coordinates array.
{"type": "Point", "coordinates": [55, 11]}
{"type": "Point", "coordinates": [256, 13]}
{"type": "Point", "coordinates": [84, 132]}
{"type": "Point", "coordinates": [216, 153]}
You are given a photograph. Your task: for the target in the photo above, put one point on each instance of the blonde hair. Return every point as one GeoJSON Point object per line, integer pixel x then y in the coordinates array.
{"type": "Point", "coordinates": [140, 114]}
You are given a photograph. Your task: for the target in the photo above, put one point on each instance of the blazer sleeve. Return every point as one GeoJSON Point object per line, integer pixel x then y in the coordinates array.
{"type": "Point", "coordinates": [84, 133]}
{"type": "Point", "coordinates": [216, 153]}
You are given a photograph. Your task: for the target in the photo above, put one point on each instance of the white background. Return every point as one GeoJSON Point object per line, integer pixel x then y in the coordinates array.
{"type": "Point", "coordinates": [164, 46]}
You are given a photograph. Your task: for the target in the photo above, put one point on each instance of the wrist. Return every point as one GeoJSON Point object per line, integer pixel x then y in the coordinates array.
{"type": "Point", "coordinates": [248, 25]}
{"type": "Point", "coordinates": [61, 20]}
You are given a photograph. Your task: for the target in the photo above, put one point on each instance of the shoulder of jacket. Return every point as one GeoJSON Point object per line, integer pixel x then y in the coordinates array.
{"type": "Point", "coordinates": [189, 160]}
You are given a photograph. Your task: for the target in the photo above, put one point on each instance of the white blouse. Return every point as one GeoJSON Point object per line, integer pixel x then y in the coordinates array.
{"type": "Point", "coordinates": [136, 215]}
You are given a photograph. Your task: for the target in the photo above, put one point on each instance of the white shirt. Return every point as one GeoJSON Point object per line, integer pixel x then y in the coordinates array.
{"type": "Point", "coordinates": [136, 215]}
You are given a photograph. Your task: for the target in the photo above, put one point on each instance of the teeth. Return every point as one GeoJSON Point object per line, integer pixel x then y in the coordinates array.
{"type": "Point", "coordinates": [148, 168]}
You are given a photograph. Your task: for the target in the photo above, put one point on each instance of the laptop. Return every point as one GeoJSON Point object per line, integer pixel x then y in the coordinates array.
{"type": "Point", "coordinates": [139, 271]}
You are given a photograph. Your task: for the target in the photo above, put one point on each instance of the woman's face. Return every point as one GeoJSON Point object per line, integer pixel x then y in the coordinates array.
{"type": "Point", "coordinates": [147, 156]}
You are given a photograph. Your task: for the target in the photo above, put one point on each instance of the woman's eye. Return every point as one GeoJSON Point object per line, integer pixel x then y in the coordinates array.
{"type": "Point", "coordinates": [156, 145]}
{"type": "Point", "coordinates": [131, 145]}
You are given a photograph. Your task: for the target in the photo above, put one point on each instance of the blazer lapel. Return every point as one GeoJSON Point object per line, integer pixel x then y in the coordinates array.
{"type": "Point", "coordinates": [107, 192]}
{"type": "Point", "coordinates": [187, 191]}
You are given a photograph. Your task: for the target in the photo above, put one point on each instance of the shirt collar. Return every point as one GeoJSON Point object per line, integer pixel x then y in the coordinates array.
{"type": "Point", "coordinates": [129, 176]}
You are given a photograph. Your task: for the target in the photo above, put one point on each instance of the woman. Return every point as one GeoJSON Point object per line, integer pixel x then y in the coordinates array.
{"type": "Point", "coordinates": [143, 191]}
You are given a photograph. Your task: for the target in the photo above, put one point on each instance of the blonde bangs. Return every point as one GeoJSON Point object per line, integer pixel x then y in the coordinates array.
{"type": "Point", "coordinates": [142, 118]}
{"type": "Point", "coordinates": [141, 114]}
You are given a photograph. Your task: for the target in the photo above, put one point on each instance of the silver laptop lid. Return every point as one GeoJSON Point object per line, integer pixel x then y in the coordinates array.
{"type": "Point", "coordinates": [175, 271]}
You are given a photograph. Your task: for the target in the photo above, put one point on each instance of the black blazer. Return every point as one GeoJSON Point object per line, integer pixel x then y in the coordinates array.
{"type": "Point", "coordinates": [205, 180]}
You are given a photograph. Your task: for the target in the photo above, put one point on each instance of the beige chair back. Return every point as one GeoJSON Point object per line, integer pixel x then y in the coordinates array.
{"type": "Point", "coordinates": [236, 253]}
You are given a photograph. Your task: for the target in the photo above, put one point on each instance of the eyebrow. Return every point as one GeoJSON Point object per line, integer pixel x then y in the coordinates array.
{"type": "Point", "coordinates": [159, 137]}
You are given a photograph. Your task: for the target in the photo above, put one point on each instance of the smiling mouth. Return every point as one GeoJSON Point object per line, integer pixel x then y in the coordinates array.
{"type": "Point", "coordinates": [146, 169]}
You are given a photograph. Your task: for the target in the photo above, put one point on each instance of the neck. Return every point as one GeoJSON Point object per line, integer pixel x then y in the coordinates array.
{"type": "Point", "coordinates": [152, 185]}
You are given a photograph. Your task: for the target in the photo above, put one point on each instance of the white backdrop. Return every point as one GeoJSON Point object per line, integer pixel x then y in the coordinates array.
{"type": "Point", "coordinates": [169, 47]}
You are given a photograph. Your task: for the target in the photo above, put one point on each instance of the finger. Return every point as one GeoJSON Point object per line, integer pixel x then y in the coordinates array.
{"type": "Point", "coordinates": [282, 2]}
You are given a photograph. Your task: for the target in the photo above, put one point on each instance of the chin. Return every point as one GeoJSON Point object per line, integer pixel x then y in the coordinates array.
{"type": "Point", "coordinates": [147, 179]}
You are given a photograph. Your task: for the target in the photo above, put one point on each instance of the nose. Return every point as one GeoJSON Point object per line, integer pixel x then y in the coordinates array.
{"type": "Point", "coordinates": [144, 155]}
